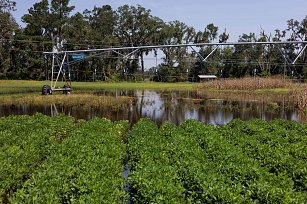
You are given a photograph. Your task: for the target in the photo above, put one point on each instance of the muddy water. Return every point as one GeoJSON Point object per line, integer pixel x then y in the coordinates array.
{"type": "Point", "coordinates": [174, 106]}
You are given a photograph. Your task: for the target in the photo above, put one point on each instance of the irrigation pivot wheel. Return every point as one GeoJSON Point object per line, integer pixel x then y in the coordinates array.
{"type": "Point", "coordinates": [66, 89]}
{"type": "Point", "coordinates": [46, 90]}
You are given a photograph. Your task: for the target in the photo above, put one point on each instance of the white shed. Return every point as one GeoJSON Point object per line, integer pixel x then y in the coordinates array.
{"type": "Point", "coordinates": [207, 77]}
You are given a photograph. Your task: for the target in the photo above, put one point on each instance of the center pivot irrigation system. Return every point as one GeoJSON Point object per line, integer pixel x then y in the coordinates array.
{"type": "Point", "coordinates": [61, 63]}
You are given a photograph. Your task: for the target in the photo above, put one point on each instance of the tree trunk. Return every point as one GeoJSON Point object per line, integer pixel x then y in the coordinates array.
{"type": "Point", "coordinates": [142, 64]}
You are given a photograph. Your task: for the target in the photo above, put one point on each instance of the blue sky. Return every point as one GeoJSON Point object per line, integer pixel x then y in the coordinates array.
{"type": "Point", "coordinates": [237, 16]}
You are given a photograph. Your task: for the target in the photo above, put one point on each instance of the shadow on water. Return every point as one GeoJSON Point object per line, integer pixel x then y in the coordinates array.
{"type": "Point", "coordinates": [174, 106]}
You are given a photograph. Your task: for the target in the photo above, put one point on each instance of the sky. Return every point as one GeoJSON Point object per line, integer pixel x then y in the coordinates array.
{"type": "Point", "coordinates": [236, 16]}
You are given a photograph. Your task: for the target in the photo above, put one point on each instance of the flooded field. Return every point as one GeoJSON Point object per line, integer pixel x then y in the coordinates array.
{"type": "Point", "coordinates": [174, 106]}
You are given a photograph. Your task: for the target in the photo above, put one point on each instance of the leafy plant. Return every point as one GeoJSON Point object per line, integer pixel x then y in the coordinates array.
{"type": "Point", "coordinates": [25, 142]}
{"type": "Point", "coordinates": [242, 162]}
{"type": "Point", "coordinates": [86, 167]}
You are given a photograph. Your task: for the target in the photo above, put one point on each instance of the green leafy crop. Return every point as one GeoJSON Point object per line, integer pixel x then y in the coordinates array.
{"type": "Point", "coordinates": [59, 160]}
{"type": "Point", "coordinates": [242, 162]}
{"type": "Point", "coordinates": [25, 142]}
{"type": "Point", "coordinates": [87, 167]}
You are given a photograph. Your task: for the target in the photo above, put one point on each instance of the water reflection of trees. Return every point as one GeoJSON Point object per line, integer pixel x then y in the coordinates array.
{"type": "Point", "coordinates": [180, 106]}
{"type": "Point", "coordinates": [175, 106]}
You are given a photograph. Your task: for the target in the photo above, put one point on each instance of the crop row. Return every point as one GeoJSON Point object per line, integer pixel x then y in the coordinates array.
{"type": "Point", "coordinates": [87, 167]}
{"type": "Point", "coordinates": [58, 160]}
{"type": "Point", "coordinates": [25, 142]}
{"type": "Point", "coordinates": [279, 146]}
{"type": "Point", "coordinates": [243, 162]}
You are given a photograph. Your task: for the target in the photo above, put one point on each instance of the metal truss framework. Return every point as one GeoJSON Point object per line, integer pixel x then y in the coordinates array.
{"type": "Point", "coordinates": [61, 63]}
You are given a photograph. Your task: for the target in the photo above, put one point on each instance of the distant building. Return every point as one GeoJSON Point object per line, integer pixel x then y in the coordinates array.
{"type": "Point", "coordinates": [203, 78]}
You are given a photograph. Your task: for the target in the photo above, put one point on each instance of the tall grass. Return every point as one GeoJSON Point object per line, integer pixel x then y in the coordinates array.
{"type": "Point", "coordinates": [247, 84]}
{"type": "Point", "coordinates": [247, 96]}
{"type": "Point", "coordinates": [300, 97]}
{"type": "Point", "coordinates": [80, 100]}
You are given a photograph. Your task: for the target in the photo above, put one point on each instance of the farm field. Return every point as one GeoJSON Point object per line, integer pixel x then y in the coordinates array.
{"type": "Point", "coordinates": [241, 162]}
{"type": "Point", "coordinates": [27, 86]}
{"type": "Point", "coordinates": [109, 103]}
{"type": "Point", "coordinates": [63, 160]}
{"type": "Point", "coordinates": [270, 85]}
{"type": "Point", "coordinates": [47, 160]}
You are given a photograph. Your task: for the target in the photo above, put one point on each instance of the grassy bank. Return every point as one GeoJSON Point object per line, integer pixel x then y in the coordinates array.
{"type": "Point", "coordinates": [262, 85]}
{"type": "Point", "coordinates": [20, 86]}
{"type": "Point", "coordinates": [23, 86]}
{"type": "Point", "coordinates": [78, 100]}
{"type": "Point", "coordinates": [17, 91]}
{"type": "Point", "coordinates": [133, 86]}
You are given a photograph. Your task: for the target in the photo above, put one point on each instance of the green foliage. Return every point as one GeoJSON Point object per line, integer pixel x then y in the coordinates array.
{"type": "Point", "coordinates": [7, 5]}
{"type": "Point", "coordinates": [277, 146]}
{"type": "Point", "coordinates": [243, 162]}
{"type": "Point", "coordinates": [56, 160]}
{"type": "Point", "coordinates": [25, 142]}
{"type": "Point", "coordinates": [154, 177]}
{"type": "Point", "coordinates": [50, 25]}
{"type": "Point", "coordinates": [7, 27]}
{"type": "Point", "coordinates": [87, 167]}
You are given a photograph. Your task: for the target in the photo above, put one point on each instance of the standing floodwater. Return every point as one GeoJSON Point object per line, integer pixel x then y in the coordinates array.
{"type": "Point", "coordinates": [174, 106]}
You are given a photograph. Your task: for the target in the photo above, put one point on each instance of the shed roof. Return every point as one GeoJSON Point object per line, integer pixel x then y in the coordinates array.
{"type": "Point", "coordinates": [207, 76]}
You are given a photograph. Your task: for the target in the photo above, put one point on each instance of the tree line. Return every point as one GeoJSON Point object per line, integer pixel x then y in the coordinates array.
{"type": "Point", "coordinates": [52, 25]}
